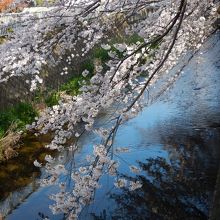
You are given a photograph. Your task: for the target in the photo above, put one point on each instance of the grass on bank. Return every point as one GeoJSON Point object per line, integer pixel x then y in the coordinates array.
{"type": "Point", "coordinates": [19, 115]}
{"type": "Point", "coordinates": [12, 120]}
{"type": "Point", "coordinates": [70, 88]}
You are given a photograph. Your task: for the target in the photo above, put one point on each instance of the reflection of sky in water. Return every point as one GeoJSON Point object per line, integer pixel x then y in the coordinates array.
{"type": "Point", "coordinates": [129, 136]}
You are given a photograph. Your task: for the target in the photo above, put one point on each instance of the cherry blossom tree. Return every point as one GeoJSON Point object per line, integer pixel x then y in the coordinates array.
{"type": "Point", "coordinates": [169, 29]}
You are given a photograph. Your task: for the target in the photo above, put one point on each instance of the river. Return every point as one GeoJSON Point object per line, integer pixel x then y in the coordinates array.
{"type": "Point", "coordinates": [175, 143]}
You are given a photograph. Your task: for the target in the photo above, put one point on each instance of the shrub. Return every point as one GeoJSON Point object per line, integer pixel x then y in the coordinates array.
{"type": "Point", "coordinates": [72, 87]}
{"type": "Point", "coordinates": [52, 99]}
{"type": "Point", "coordinates": [21, 114]}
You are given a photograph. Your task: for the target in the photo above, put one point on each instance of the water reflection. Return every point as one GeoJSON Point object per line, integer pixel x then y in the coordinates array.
{"type": "Point", "coordinates": [180, 187]}
{"type": "Point", "coordinates": [178, 162]}
{"type": "Point", "coordinates": [18, 176]}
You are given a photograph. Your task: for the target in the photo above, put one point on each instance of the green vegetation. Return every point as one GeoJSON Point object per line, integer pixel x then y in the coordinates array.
{"type": "Point", "coordinates": [70, 88]}
{"type": "Point", "coordinates": [132, 39]}
{"type": "Point", "coordinates": [2, 132]}
{"type": "Point", "coordinates": [88, 65]}
{"type": "Point", "coordinates": [2, 40]}
{"type": "Point", "coordinates": [52, 99]}
{"type": "Point", "coordinates": [101, 54]}
{"type": "Point", "coordinates": [39, 2]}
{"type": "Point", "coordinates": [10, 30]}
{"type": "Point", "coordinates": [42, 2]}
{"type": "Point", "coordinates": [20, 115]}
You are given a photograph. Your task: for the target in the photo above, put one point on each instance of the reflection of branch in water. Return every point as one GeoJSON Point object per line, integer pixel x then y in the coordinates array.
{"type": "Point", "coordinates": [42, 216]}
{"type": "Point", "coordinates": [184, 143]}
{"type": "Point", "coordinates": [166, 193]}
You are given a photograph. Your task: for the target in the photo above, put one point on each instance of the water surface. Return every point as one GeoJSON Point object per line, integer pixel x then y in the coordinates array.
{"type": "Point", "coordinates": [174, 142]}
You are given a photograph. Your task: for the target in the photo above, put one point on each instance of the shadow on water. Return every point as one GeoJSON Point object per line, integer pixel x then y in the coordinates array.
{"type": "Point", "coordinates": [18, 172]}
{"type": "Point", "coordinates": [180, 187]}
